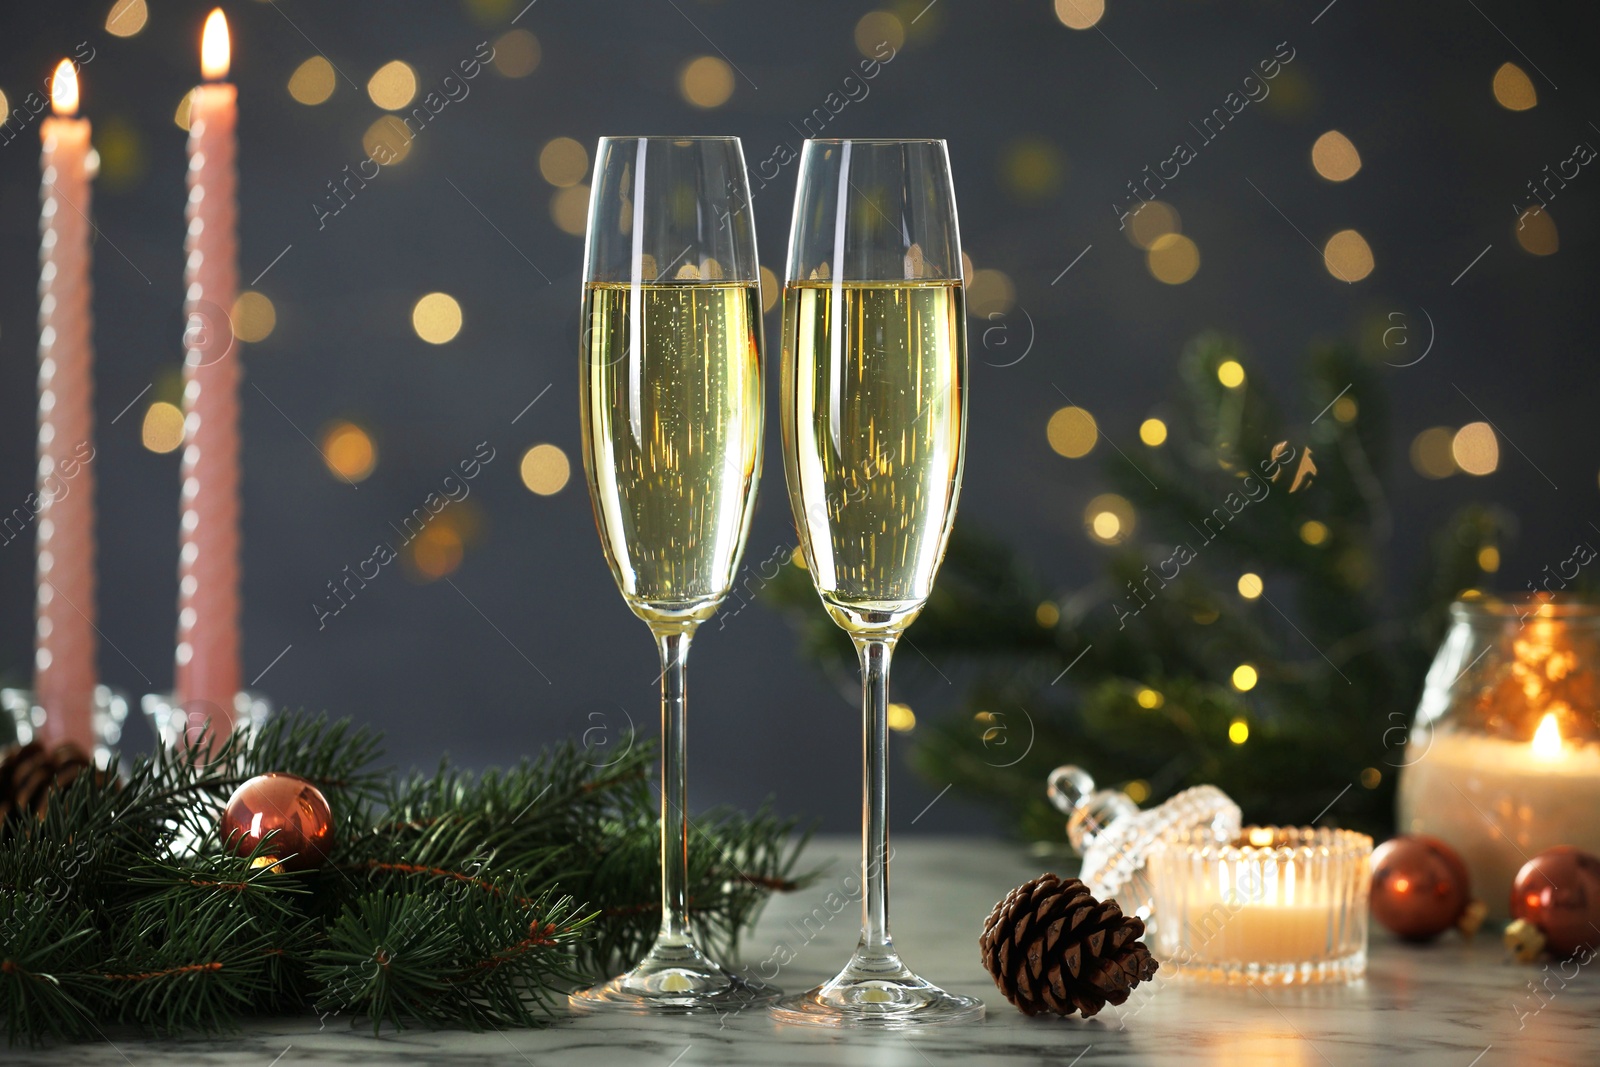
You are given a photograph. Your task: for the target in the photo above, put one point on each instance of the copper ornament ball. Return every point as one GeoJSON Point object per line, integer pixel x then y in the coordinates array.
{"type": "Point", "coordinates": [1420, 886]}
{"type": "Point", "coordinates": [1559, 892]}
{"type": "Point", "coordinates": [293, 807]}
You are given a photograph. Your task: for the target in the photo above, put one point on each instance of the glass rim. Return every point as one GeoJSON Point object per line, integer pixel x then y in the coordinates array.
{"type": "Point", "coordinates": [1290, 843]}
{"type": "Point", "coordinates": [875, 140]}
{"type": "Point", "coordinates": [1478, 607]}
{"type": "Point", "coordinates": [669, 137]}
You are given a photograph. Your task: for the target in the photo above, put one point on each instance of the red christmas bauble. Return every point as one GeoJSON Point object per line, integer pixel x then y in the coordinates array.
{"type": "Point", "coordinates": [293, 807]}
{"type": "Point", "coordinates": [1559, 892]}
{"type": "Point", "coordinates": [1420, 887]}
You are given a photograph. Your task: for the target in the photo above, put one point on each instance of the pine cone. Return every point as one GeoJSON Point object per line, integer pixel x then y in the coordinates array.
{"type": "Point", "coordinates": [28, 774]}
{"type": "Point", "coordinates": [1052, 947]}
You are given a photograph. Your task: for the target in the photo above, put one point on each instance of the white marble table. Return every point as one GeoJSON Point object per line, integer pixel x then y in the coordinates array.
{"type": "Point", "coordinates": [1453, 1004]}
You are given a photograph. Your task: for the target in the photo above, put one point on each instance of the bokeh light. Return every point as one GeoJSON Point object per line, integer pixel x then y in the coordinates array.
{"type": "Point", "coordinates": [437, 551]}
{"type": "Point", "coordinates": [1153, 432]}
{"type": "Point", "coordinates": [1032, 168]}
{"type": "Point", "coordinates": [1536, 232]}
{"type": "Point", "coordinates": [5, 105]}
{"type": "Point", "coordinates": [1431, 454]}
{"type": "Point", "coordinates": [1334, 157]}
{"type": "Point", "coordinates": [348, 451]}
{"type": "Point", "coordinates": [563, 162]}
{"type": "Point", "coordinates": [180, 117]}
{"type": "Point", "coordinates": [569, 209]}
{"type": "Point", "coordinates": [990, 292]}
{"type": "Point", "coordinates": [1313, 532]}
{"type": "Point", "coordinates": [254, 317]}
{"type": "Point", "coordinates": [1513, 89]}
{"type": "Point", "coordinates": [1371, 777]}
{"type": "Point", "coordinates": [1245, 677]}
{"type": "Point", "coordinates": [1238, 731]}
{"type": "Point", "coordinates": [1109, 519]}
{"type": "Point", "coordinates": [1488, 559]}
{"type": "Point", "coordinates": [517, 53]}
{"type": "Point", "coordinates": [545, 469]}
{"type": "Point", "coordinates": [901, 718]}
{"type": "Point", "coordinates": [1080, 14]}
{"type": "Point", "coordinates": [1347, 256]}
{"type": "Point", "coordinates": [771, 290]}
{"type": "Point", "coordinates": [1173, 258]}
{"type": "Point", "coordinates": [1250, 585]}
{"type": "Point", "coordinates": [1072, 432]}
{"type": "Point", "coordinates": [877, 28]}
{"type": "Point", "coordinates": [1476, 449]}
{"type": "Point", "coordinates": [313, 81]}
{"type": "Point", "coordinates": [387, 141]}
{"type": "Point", "coordinates": [163, 427]}
{"type": "Point", "coordinates": [1230, 372]}
{"type": "Point", "coordinates": [1047, 614]}
{"type": "Point", "coordinates": [1345, 409]}
{"type": "Point", "coordinates": [436, 318]}
{"type": "Point", "coordinates": [127, 17]}
{"type": "Point", "coordinates": [706, 82]}
{"type": "Point", "coordinates": [393, 85]}
{"type": "Point", "coordinates": [1150, 699]}
{"type": "Point", "coordinates": [1152, 221]}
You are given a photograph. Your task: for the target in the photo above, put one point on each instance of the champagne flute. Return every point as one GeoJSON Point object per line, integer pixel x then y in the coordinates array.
{"type": "Point", "coordinates": [874, 420]}
{"type": "Point", "coordinates": [670, 387]}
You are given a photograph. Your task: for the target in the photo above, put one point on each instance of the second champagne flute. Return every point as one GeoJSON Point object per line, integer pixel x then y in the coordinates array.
{"type": "Point", "coordinates": [874, 421]}
{"type": "Point", "coordinates": [670, 385]}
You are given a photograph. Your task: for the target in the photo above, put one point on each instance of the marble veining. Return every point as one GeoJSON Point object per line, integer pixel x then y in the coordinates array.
{"type": "Point", "coordinates": [1452, 1003]}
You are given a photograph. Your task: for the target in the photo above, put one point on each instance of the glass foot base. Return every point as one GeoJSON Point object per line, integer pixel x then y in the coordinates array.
{"type": "Point", "coordinates": [675, 980]}
{"type": "Point", "coordinates": [878, 994]}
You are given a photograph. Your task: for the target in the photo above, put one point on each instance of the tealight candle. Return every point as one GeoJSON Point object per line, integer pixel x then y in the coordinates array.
{"type": "Point", "coordinates": [1277, 906]}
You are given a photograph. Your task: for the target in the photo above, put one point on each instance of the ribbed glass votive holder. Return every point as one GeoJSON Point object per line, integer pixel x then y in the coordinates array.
{"type": "Point", "coordinates": [1278, 906]}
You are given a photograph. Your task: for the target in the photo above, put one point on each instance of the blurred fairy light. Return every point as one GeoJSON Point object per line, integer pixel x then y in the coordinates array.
{"type": "Point", "coordinates": [901, 718]}
{"type": "Point", "coordinates": [1370, 777]}
{"type": "Point", "coordinates": [393, 85]}
{"type": "Point", "coordinates": [180, 117]}
{"type": "Point", "coordinates": [1230, 372]}
{"type": "Point", "coordinates": [313, 81]}
{"type": "Point", "coordinates": [1536, 232]}
{"type": "Point", "coordinates": [1072, 432]}
{"type": "Point", "coordinates": [877, 28]}
{"type": "Point", "coordinates": [770, 290]}
{"type": "Point", "coordinates": [1238, 729]}
{"type": "Point", "coordinates": [1150, 699]}
{"type": "Point", "coordinates": [163, 427]}
{"type": "Point", "coordinates": [436, 318]}
{"type": "Point", "coordinates": [5, 105]}
{"type": "Point", "coordinates": [545, 469]}
{"type": "Point", "coordinates": [1345, 409]}
{"type": "Point", "coordinates": [1032, 168]}
{"type": "Point", "coordinates": [1153, 432]}
{"type": "Point", "coordinates": [1245, 677]}
{"type": "Point", "coordinates": [387, 141]}
{"type": "Point", "coordinates": [990, 292]}
{"type": "Point", "coordinates": [517, 53]}
{"type": "Point", "coordinates": [1313, 532]}
{"type": "Point", "coordinates": [121, 152]}
{"type": "Point", "coordinates": [1047, 614]}
{"type": "Point", "coordinates": [1476, 449]}
{"type": "Point", "coordinates": [706, 82]}
{"type": "Point", "coordinates": [1513, 89]}
{"type": "Point", "coordinates": [1137, 790]}
{"type": "Point", "coordinates": [437, 551]}
{"type": "Point", "coordinates": [1151, 221]}
{"type": "Point", "coordinates": [1250, 585]}
{"type": "Point", "coordinates": [127, 17]}
{"type": "Point", "coordinates": [1109, 519]}
{"type": "Point", "coordinates": [569, 209]}
{"type": "Point", "coordinates": [1173, 258]}
{"type": "Point", "coordinates": [1334, 157]}
{"type": "Point", "coordinates": [1488, 559]}
{"type": "Point", "coordinates": [563, 162]}
{"type": "Point", "coordinates": [1431, 454]}
{"type": "Point", "coordinates": [1080, 14]}
{"type": "Point", "coordinates": [348, 451]}
{"type": "Point", "coordinates": [254, 316]}
{"type": "Point", "coordinates": [1347, 256]}
{"type": "Point", "coordinates": [798, 557]}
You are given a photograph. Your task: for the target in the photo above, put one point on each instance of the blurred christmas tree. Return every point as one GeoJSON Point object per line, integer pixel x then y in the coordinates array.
{"type": "Point", "coordinates": [1245, 634]}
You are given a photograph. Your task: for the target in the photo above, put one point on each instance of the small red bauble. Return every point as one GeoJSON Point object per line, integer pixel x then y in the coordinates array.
{"type": "Point", "coordinates": [1559, 892]}
{"type": "Point", "coordinates": [293, 807]}
{"type": "Point", "coordinates": [1420, 887]}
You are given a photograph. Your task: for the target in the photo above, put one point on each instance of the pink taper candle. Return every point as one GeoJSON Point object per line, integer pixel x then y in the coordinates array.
{"type": "Point", "coordinates": [208, 673]}
{"type": "Point", "coordinates": [64, 653]}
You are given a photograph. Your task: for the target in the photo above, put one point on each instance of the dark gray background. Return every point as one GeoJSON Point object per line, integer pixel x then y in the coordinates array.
{"type": "Point", "coordinates": [1408, 83]}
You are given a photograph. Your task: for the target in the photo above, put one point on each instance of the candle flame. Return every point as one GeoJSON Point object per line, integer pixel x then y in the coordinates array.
{"type": "Point", "coordinates": [1261, 836]}
{"type": "Point", "coordinates": [64, 89]}
{"type": "Point", "coordinates": [214, 47]}
{"type": "Point", "coordinates": [1547, 738]}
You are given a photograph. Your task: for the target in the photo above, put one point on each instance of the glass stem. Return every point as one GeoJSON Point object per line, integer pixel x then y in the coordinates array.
{"type": "Point", "coordinates": [875, 654]}
{"type": "Point", "coordinates": [674, 648]}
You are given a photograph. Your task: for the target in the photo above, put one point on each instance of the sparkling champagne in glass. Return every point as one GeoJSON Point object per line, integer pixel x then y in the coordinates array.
{"type": "Point", "coordinates": [670, 386]}
{"type": "Point", "coordinates": [874, 419]}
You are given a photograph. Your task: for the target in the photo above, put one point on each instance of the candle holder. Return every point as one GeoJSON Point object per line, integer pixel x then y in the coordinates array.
{"type": "Point", "coordinates": [21, 717]}
{"type": "Point", "coordinates": [1503, 760]}
{"type": "Point", "coordinates": [1277, 906]}
{"type": "Point", "coordinates": [170, 721]}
